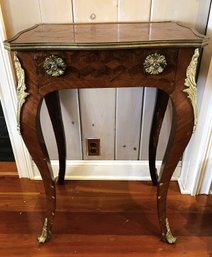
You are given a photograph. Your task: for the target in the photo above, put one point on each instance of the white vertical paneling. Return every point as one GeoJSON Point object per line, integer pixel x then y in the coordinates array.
{"type": "Point", "coordinates": [206, 56]}
{"type": "Point", "coordinates": [95, 10]}
{"type": "Point", "coordinates": [97, 106]}
{"type": "Point", "coordinates": [61, 11]}
{"type": "Point", "coordinates": [202, 16]}
{"type": "Point", "coordinates": [165, 132]}
{"type": "Point", "coordinates": [129, 101]}
{"type": "Point", "coordinates": [48, 132]}
{"type": "Point", "coordinates": [56, 11]}
{"type": "Point", "coordinates": [148, 109]}
{"type": "Point", "coordinates": [70, 113]}
{"type": "Point", "coordinates": [185, 12]}
{"type": "Point", "coordinates": [192, 13]}
{"type": "Point", "coordinates": [19, 15]}
{"type": "Point", "coordinates": [128, 123]}
{"type": "Point", "coordinates": [180, 10]}
{"type": "Point", "coordinates": [98, 120]}
{"type": "Point", "coordinates": [134, 10]}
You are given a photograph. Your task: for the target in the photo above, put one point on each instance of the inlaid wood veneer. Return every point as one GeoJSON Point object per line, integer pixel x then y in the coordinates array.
{"type": "Point", "coordinates": [52, 57]}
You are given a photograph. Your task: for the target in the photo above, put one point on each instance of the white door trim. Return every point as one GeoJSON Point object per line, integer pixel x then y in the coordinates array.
{"type": "Point", "coordinates": [205, 180]}
{"type": "Point", "coordinates": [196, 175]}
{"type": "Point", "coordinates": [8, 101]}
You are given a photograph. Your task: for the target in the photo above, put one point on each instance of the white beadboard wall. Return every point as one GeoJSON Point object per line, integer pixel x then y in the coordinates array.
{"type": "Point", "coordinates": [105, 114]}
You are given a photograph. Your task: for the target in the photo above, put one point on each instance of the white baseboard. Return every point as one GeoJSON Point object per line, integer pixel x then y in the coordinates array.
{"type": "Point", "coordinates": [107, 170]}
{"type": "Point", "coordinates": [183, 189]}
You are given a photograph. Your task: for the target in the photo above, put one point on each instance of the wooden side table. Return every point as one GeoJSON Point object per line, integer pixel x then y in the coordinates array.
{"type": "Point", "coordinates": [51, 57]}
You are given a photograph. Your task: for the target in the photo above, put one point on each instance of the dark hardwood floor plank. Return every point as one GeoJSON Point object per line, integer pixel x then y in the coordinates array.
{"type": "Point", "coordinates": [8, 168]}
{"type": "Point", "coordinates": [101, 218]}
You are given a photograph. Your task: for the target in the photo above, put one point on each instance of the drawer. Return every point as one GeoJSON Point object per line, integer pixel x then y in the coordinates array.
{"type": "Point", "coordinates": [105, 68]}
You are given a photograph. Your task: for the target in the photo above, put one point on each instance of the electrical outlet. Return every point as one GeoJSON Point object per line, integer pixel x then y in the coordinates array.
{"type": "Point", "coordinates": [93, 146]}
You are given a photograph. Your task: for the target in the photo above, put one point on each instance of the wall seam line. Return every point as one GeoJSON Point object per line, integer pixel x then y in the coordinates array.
{"type": "Point", "coordinates": [115, 125]}
{"type": "Point", "coordinates": [41, 17]}
{"type": "Point", "coordinates": [150, 11]}
{"type": "Point", "coordinates": [80, 125]}
{"type": "Point", "coordinates": [141, 123]}
{"type": "Point", "coordinates": [72, 10]}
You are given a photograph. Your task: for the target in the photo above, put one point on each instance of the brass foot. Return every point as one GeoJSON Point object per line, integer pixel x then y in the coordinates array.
{"type": "Point", "coordinates": [45, 235]}
{"type": "Point", "coordinates": [168, 237]}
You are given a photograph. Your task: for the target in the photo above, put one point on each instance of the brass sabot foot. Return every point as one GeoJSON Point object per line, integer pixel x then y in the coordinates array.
{"type": "Point", "coordinates": [45, 235]}
{"type": "Point", "coordinates": [168, 237]}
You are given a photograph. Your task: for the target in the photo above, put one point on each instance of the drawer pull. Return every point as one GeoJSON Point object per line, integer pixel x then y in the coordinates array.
{"type": "Point", "coordinates": [54, 66]}
{"type": "Point", "coordinates": [155, 64]}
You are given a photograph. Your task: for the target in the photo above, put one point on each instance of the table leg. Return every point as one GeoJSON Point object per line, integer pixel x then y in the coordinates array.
{"type": "Point", "coordinates": [31, 132]}
{"type": "Point", "coordinates": [159, 112]}
{"type": "Point", "coordinates": [182, 126]}
{"type": "Point", "coordinates": [53, 106]}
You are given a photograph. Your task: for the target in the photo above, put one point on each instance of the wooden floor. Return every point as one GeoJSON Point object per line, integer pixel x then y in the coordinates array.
{"type": "Point", "coordinates": [101, 218]}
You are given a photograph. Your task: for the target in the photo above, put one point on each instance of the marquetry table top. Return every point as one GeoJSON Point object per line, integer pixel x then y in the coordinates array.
{"type": "Point", "coordinates": [106, 35]}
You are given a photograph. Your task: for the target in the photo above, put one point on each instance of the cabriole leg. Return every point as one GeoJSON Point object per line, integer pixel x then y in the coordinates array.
{"type": "Point", "coordinates": [54, 109]}
{"type": "Point", "coordinates": [182, 126]}
{"type": "Point", "coordinates": [159, 112]}
{"type": "Point", "coordinates": [31, 132]}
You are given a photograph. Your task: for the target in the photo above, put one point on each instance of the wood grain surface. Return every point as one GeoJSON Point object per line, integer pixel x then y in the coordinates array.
{"type": "Point", "coordinates": [101, 218]}
{"type": "Point", "coordinates": [104, 35]}
{"type": "Point", "coordinates": [107, 68]}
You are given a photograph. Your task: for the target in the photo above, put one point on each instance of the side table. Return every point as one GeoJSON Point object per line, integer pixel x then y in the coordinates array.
{"type": "Point", "coordinates": [51, 57]}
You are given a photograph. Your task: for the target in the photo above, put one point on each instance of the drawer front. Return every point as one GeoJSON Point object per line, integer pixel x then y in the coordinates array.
{"type": "Point", "coordinates": [105, 68]}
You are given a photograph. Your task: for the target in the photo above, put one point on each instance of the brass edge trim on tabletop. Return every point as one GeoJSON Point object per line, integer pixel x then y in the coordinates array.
{"type": "Point", "coordinates": [194, 31]}
{"type": "Point", "coordinates": [20, 33]}
{"type": "Point", "coordinates": [106, 45]}
{"type": "Point", "coordinates": [191, 85]}
{"type": "Point", "coordinates": [21, 94]}
{"type": "Point", "coordinates": [8, 44]}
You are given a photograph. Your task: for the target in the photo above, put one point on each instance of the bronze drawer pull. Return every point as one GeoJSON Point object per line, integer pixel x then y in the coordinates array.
{"type": "Point", "coordinates": [155, 64]}
{"type": "Point", "coordinates": [54, 66]}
